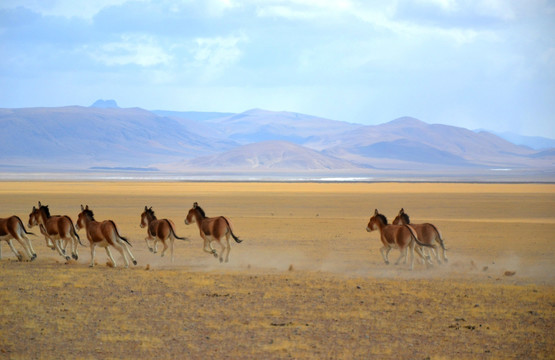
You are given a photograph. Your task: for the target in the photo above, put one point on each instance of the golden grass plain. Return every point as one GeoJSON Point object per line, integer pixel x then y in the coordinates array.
{"type": "Point", "coordinates": [307, 282]}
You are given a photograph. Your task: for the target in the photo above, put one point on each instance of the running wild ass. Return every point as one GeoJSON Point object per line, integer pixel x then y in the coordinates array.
{"type": "Point", "coordinates": [401, 237]}
{"type": "Point", "coordinates": [426, 232]}
{"type": "Point", "coordinates": [13, 228]}
{"type": "Point", "coordinates": [103, 234]}
{"type": "Point", "coordinates": [158, 230]}
{"type": "Point", "coordinates": [212, 229]}
{"type": "Point", "coordinates": [58, 230]}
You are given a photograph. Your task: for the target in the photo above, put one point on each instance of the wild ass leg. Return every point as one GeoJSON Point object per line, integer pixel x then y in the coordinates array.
{"type": "Point", "coordinates": [92, 254]}
{"type": "Point", "coordinates": [222, 251]}
{"type": "Point", "coordinates": [110, 255]}
{"type": "Point", "coordinates": [147, 243]}
{"type": "Point", "coordinates": [411, 249]}
{"type": "Point", "coordinates": [403, 255]}
{"type": "Point", "coordinates": [165, 247]}
{"type": "Point", "coordinates": [57, 244]}
{"type": "Point", "coordinates": [119, 247]}
{"type": "Point", "coordinates": [49, 242]}
{"type": "Point", "coordinates": [426, 258]}
{"type": "Point", "coordinates": [73, 243]}
{"type": "Point", "coordinates": [31, 247]}
{"type": "Point", "coordinates": [208, 246]}
{"type": "Point", "coordinates": [172, 240]}
{"type": "Point", "coordinates": [126, 249]}
{"type": "Point", "coordinates": [19, 257]}
{"type": "Point", "coordinates": [228, 248]}
{"type": "Point", "coordinates": [25, 246]}
{"type": "Point", "coordinates": [385, 254]}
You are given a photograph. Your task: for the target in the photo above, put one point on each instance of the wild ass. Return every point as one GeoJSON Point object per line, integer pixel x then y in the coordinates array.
{"type": "Point", "coordinates": [402, 237]}
{"type": "Point", "coordinates": [427, 233]}
{"type": "Point", "coordinates": [158, 230]}
{"type": "Point", "coordinates": [55, 228]}
{"type": "Point", "coordinates": [212, 229]}
{"type": "Point", "coordinates": [103, 234]}
{"type": "Point", "coordinates": [13, 228]}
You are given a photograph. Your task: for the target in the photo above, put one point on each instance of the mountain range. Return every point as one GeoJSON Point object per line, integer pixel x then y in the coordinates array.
{"type": "Point", "coordinates": [104, 136]}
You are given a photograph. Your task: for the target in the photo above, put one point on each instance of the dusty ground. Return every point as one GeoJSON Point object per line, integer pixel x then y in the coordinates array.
{"type": "Point", "coordinates": [307, 282]}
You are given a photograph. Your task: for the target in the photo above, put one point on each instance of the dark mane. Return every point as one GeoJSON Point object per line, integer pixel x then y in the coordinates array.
{"type": "Point", "coordinates": [151, 213]}
{"type": "Point", "coordinates": [382, 218]}
{"type": "Point", "coordinates": [46, 210]}
{"type": "Point", "coordinates": [406, 218]}
{"type": "Point", "coordinates": [202, 213]}
{"type": "Point", "coordinates": [89, 214]}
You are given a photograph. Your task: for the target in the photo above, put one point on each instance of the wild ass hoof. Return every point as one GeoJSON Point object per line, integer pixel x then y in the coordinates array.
{"type": "Point", "coordinates": [75, 256]}
{"type": "Point", "coordinates": [91, 266]}
{"type": "Point", "coordinates": [387, 262]}
{"type": "Point", "coordinates": [19, 257]}
{"type": "Point", "coordinates": [221, 260]}
{"type": "Point", "coordinates": [33, 257]}
{"type": "Point", "coordinates": [67, 258]}
{"type": "Point", "coordinates": [134, 262]}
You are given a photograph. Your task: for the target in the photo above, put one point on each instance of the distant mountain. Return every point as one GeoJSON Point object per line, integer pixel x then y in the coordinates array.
{"type": "Point", "coordinates": [407, 140]}
{"type": "Point", "coordinates": [192, 115]}
{"type": "Point", "coordinates": [262, 125]}
{"type": "Point", "coordinates": [105, 104]}
{"type": "Point", "coordinates": [275, 155]}
{"type": "Point", "coordinates": [533, 142]}
{"type": "Point", "coordinates": [80, 137]}
{"type": "Point", "coordinates": [105, 137]}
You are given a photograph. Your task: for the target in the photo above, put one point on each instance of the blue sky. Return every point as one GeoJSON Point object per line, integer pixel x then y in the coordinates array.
{"type": "Point", "coordinates": [476, 64]}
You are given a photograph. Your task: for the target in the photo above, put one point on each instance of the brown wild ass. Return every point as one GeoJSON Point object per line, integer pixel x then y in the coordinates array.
{"type": "Point", "coordinates": [158, 230]}
{"type": "Point", "coordinates": [402, 237]}
{"type": "Point", "coordinates": [103, 234]}
{"type": "Point", "coordinates": [13, 228]}
{"type": "Point", "coordinates": [55, 228]}
{"type": "Point", "coordinates": [212, 229]}
{"type": "Point", "coordinates": [426, 232]}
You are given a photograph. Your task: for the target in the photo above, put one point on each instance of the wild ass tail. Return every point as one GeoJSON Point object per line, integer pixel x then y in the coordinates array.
{"type": "Point", "coordinates": [237, 240]}
{"type": "Point", "coordinates": [23, 226]}
{"type": "Point", "coordinates": [117, 233]}
{"type": "Point", "coordinates": [413, 234]}
{"type": "Point", "coordinates": [439, 237]}
{"type": "Point", "coordinates": [173, 232]}
{"type": "Point", "coordinates": [74, 232]}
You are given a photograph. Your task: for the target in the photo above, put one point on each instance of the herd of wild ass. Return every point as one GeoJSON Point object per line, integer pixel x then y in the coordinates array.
{"type": "Point", "coordinates": [59, 231]}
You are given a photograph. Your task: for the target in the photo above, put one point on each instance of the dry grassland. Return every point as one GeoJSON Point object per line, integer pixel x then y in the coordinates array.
{"type": "Point", "coordinates": [307, 282]}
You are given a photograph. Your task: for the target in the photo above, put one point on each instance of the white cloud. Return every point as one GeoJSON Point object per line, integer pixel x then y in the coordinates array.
{"type": "Point", "coordinates": [132, 49]}
{"type": "Point", "coordinates": [217, 53]}
{"type": "Point", "coordinates": [67, 8]}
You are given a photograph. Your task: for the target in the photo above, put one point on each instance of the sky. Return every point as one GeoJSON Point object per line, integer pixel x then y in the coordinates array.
{"type": "Point", "coordinates": [486, 64]}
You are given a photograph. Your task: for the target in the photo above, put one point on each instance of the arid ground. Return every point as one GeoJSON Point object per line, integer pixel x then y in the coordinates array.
{"type": "Point", "coordinates": [308, 281]}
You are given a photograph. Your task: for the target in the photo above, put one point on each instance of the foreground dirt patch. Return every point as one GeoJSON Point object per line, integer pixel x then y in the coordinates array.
{"type": "Point", "coordinates": [307, 282]}
{"type": "Point", "coordinates": [65, 311]}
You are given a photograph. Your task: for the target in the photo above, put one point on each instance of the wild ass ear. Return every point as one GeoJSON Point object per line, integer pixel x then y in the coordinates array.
{"type": "Point", "coordinates": [82, 208]}
{"type": "Point", "coordinates": [402, 211]}
{"type": "Point", "coordinates": [40, 204]}
{"type": "Point", "coordinates": [376, 212]}
{"type": "Point", "coordinates": [86, 207]}
{"type": "Point", "coordinates": [34, 208]}
{"type": "Point", "coordinates": [195, 205]}
{"type": "Point", "coordinates": [146, 208]}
